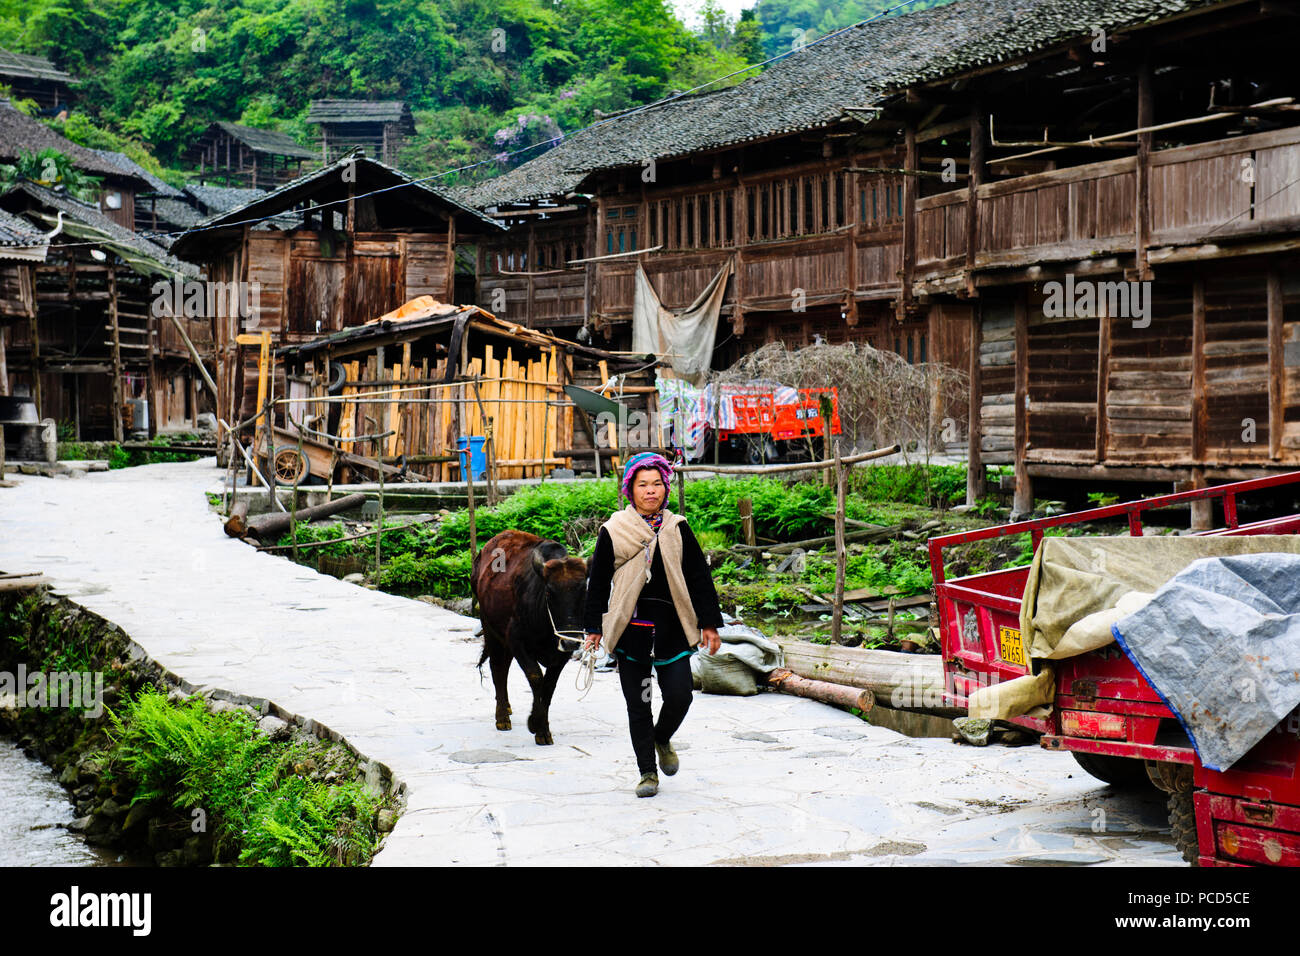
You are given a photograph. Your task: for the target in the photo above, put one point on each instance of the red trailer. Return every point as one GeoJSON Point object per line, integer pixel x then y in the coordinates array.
{"type": "Point", "coordinates": [769, 430]}
{"type": "Point", "coordinates": [1107, 715]}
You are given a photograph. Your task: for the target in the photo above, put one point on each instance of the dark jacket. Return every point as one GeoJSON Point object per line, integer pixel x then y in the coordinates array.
{"type": "Point", "coordinates": [699, 581]}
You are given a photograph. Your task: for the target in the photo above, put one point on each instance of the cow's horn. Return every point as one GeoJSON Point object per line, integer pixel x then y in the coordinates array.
{"type": "Point", "coordinates": [539, 562]}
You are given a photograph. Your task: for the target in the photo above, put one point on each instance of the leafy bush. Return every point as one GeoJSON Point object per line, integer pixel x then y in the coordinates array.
{"type": "Point", "coordinates": [185, 756]}
{"type": "Point", "coordinates": [912, 484]}
{"type": "Point", "coordinates": [445, 575]}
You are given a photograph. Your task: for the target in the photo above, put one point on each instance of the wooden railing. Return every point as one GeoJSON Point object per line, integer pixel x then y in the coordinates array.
{"type": "Point", "coordinates": [1230, 188]}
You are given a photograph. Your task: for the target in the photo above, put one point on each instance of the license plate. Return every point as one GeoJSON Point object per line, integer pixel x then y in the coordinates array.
{"type": "Point", "coordinates": [1010, 647]}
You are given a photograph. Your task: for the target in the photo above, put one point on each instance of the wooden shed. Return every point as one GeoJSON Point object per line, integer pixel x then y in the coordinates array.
{"type": "Point", "coordinates": [94, 352]}
{"type": "Point", "coordinates": [36, 78]}
{"type": "Point", "coordinates": [377, 126]}
{"type": "Point", "coordinates": [429, 372]}
{"type": "Point", "coordinates": [235, 155]}
{"type": "Point", "coordinates": [326, 252]}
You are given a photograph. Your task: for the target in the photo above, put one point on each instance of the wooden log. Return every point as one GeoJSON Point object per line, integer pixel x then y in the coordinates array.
{"type": "Point", "coordinates": [267, 525]}
{"type": "Point", "coordinates": [917, 678]}
{"type": "Point", "coordinates": [838, 694]}
{"type": "Point", "coordinates": [22, 582]}
{"type": "Point", "coordinates": [237, 523]}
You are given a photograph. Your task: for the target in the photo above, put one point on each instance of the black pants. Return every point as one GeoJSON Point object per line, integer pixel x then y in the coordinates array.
{"type": "Point", "coordinates": [666, 652]}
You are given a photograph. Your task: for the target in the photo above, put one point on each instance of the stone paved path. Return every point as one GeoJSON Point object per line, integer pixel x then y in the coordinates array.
{"type": "Point", "coordinates": [764, 780]}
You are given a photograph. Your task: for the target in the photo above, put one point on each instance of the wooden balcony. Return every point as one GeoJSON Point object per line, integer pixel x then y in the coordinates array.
{"type": "Point", "coordinates": [1200, 197]}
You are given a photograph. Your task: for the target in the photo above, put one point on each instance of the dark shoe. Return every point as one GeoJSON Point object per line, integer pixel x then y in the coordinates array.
{"type": "Point", "coordinates": [668, 761]}
{"type": "Point", "coordinates": [648, 786]}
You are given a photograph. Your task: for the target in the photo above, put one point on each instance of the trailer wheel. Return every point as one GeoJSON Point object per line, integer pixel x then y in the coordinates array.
{"type": "Point", "coordinates": [1117, 771]}
{"type": "Point", "coordinates": [1182, 824]}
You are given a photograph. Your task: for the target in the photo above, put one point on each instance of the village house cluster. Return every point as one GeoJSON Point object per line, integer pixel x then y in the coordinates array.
{"type": "Point", "coordinates": [1089, 210]}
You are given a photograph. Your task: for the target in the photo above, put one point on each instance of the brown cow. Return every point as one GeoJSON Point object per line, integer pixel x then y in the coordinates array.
{"type": "Point", "coordinates": [516, 578]}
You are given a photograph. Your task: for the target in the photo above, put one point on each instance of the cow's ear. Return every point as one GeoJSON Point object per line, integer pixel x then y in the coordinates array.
{"type": "Point", "coordinates": [539, 563]}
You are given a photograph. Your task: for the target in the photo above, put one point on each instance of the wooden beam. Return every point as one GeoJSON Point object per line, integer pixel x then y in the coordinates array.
{"type": "Point", "coordinates": [974, 433]}
{"type": "Point", "coordinates": [1103, 386]}
{"type": "Point", "coordinates": [117, 355]}
{"type": "Point", "coordinates": [1142, 217]}
{"type": "Point", "coordinates": [1200, 415]}
{"type": "Point", "coordinates": [1276, 366]}
{"type": "Point", "coordinates": [973, 182]}
{"type": "Point", "coordinates": [1024, 496]}
{"type": "Point", "coordinates": [910, 161]}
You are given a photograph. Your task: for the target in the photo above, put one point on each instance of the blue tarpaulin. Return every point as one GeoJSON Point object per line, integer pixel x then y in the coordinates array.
{"type": "Point", "coordinates": [1220, 643]}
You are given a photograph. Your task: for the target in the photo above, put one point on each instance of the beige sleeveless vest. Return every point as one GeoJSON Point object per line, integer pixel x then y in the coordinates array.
{"type": "Point", "coordinates": [631, 537]}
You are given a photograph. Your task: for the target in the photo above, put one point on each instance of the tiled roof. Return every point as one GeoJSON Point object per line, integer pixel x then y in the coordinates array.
{"type": "Point", "coordinates": [21, 135]}
{"type": "Point", "coordinates": [128, 165]}
{"type": "Point", "coordinates": [359, 111]}
{"type": "Point", "coordinates": [31, 67]}
{"type": "Point", "coordinates": [810, 87]}
{"type": "Point", "coordinates": [283, 199]}
{"type": "Point", "coordinates": [86, 221]}
{"type": "Point", "coordinates": [267, 141]}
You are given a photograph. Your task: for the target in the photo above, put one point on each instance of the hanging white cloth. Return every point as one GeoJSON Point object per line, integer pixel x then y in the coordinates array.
{"type": "Point", "coordinates": [685, 339]}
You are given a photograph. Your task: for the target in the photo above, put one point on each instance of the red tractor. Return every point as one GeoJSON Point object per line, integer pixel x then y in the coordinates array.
{"type": "Point", "coordinates": [1107, 715]}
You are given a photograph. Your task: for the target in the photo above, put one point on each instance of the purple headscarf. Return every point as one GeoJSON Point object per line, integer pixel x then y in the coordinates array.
{"type": "Point", "coordinates": [645, 459]}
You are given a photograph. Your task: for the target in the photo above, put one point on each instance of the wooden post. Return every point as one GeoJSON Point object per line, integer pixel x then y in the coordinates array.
{"type": "Point", "coordinates": [1024, 497]}
{"type": "Point", "coordinates": [154, 342]}
{"type": "Point", "coordinates": [4, 365]}
{"type": "Point", "coordinates": [827, 411]}
{"type": "Point", "coordinates": [1276, 366]}
{"type": "Point", "coordinates": [36, 362]}
{"type": "Point", "coordinates": [973, 181]}
{"type": "Point", "coordinates": [1103, 386]}
{"type": "Point", "coordinates": [117, 355]}
{"type": "Point", "coordinates": [746, 508]}
{"type": "Point", "coordinates": [837, 609]}
{"type": "Point", "coordinates": [974, 430]}
{"type": "Point", "coordinates": [911, 161]}
{"type": "Point", "coordinates": [379, 527]}
{"type": "Point", "coordinates": [1145, 118]}
{"type": "Point", "coordinates": [1202, 511]}
{"type": "Point", "coordinates": [681, 493]}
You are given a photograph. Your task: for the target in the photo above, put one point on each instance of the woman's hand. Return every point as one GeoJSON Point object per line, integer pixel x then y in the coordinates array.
{"type": "Point", "coordinates": [593, 641]}
{"type": "Point", "coordinates": [710, 639]}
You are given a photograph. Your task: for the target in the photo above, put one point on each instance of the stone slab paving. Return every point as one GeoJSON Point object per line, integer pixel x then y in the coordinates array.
{"type": "Point", "coordinates": [765, 780]}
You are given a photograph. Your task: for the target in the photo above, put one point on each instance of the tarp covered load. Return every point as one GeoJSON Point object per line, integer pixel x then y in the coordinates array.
{"type": "Point", "coordinates": [745, 655]}
{"type": "Point", "coordinates": [1079, 587]}
{"type": "Point", "coordinates": [1220, 643]}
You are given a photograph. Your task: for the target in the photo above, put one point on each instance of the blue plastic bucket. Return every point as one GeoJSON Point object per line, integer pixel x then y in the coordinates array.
{"type": "Point", "coordinates": [477, 456]}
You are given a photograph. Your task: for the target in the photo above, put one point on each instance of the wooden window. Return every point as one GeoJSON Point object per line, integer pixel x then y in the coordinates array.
{"type": "Point", "coordinates": [840, 218]}
{"type": "Point", "coordinates": [731, 219]}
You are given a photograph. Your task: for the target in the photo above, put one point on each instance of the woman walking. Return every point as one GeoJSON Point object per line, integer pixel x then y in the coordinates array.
{"type": "Point", "coordinates": [651, 596]}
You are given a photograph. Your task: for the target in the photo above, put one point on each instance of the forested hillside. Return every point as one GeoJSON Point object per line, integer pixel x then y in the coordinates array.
{"type": "Point", "coordinates": [485, 78]}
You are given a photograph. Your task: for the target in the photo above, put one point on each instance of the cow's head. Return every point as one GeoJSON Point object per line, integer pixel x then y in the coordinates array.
{"type": "Point", "coordinates": [564, 580]}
